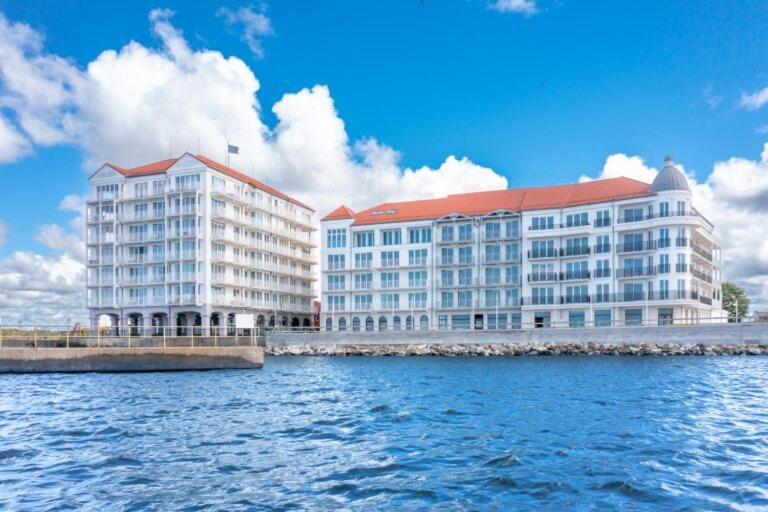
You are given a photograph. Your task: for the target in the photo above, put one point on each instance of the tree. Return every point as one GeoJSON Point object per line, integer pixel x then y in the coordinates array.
{"type": "Point", "coordinates": [735, 301]}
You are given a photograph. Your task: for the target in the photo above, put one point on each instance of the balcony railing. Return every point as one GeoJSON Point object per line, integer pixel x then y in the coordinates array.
{"type": "Point", "coordinates": [602, 222]}
{"type": "Point", "coordinates": [635, 272]}
{"type": "Point", "coordinates": [542, 277]}
{"type": "Point", "coordinates": [654, 215]}
{"type": "Point", "coordinates": [574, 250]}
{"type": "Point", "coordinates": [697, 249]}
{"type": "Point", "coordinates": [703, 276]}
{"type": "Point", "coordinates": [602, 272]}
{"type": "Point", "coordinates": [648, 245]}
{"type": "Point", "coordinates": [574, 275]}
{"type": "Point", "coordinates": [542, 253]}
{"type": "Point", "coordinates": [602, 248]}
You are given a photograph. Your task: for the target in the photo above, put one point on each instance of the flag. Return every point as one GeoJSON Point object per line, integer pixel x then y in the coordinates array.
{"type": "Point", "coordinates": [233, 149]}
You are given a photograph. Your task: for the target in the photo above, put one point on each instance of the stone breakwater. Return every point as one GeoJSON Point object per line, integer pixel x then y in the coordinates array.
{"type": "Point", "coordinates": [520, 349]}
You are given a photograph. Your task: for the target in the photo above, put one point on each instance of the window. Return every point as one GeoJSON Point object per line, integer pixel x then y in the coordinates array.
{"type": "Point", "coordinates": [446, 233]}
{"type": "Point", "coordinates": [336, 238]}
{"type": "Point", "coordinates": [602, 317]}
{"type": "Point", "coordinates": [512, 275]}
{"type": "Point", "coordinates": [543, 249]}
{"type": "Point", "coordinates": [542, 295]}
{"type": "Point", "coordinates": [633, 292]}
{"type": "Point", "coordinates": [633, 317]}
{"type": "Point", "coordinates": [682, 240]}
{"type": "Point", "coordinates": [512, 297]}
{"type": "Point", "coordinates": [633, 214]}
{"type": "Point", "coordinates": [446, 256]}
{"type": "Point", "coordinates": [493, 276]}
{"type": "Point", "coordinates": [336, 283]}
{"type": "Point", "coordinates": [576, 294]}
{"type": "Point", "coordinates": [417, 279]}
{"type": "Point", "coordinates": [493, 230]}
{"type": "Point", "coordinates": [106, 191]}
{"type": "Point", "coordinates": [460, 322]}
{"type": "Point", "coordinates": [603, 244]}
{"type": "Point", "coordinates": [364, 239]}
{"type": "Point", "coordinates": [576, 319]}
{"type": "Point", "coordinates": [603, 219]}
{"type": "Point", "coordinates": [417, 300]}
{"type": "Point", "coordinates": [369, 324]}
{"type": "Point", "coordinates": [465, 299]}
{"type": "Point", "coordinates": [390, 280]}
{"type": "Point", "coordinates": [664, 289]}
{"type": "Point", "coordinates": [363, 302]}
{"type": "Point", "coordinates": [218, 184]}
{"type": "Point", "coordinates": [538, 223]}
{"type": "Point", "coordinates": [420, 235]}
{"type": "Point", "coordinates": [576, 219]}
{"type": "Point", "coordinates": [465, 277]}
{"type": "Point", "coordinates": [363, 260]}
{"type": "Point", "coordinates": [465, 255]}
{"type": "Point", "coordinates": [336, 303]}
{"type": "Point", "coordinates": [446, 278]}
{"type": "Point", "coordinates": [681, 264]}
{"type": "Point", "coordinates": [492, 298]}
{"type": "Point", "coordinates": [336, 262]}
{"type": "Point", "coordinates": [423, 323]}
{"type": "Point", "coordinates": [446, 299]}
{"type": "Point", "coordinates": [681, 207]}
{"type": "Point", "coordinates": [329, 324]}
{"type": "Point", "coordinates": [391, 237]}
{"type": "Point", "coordinates": [140, 189]}
{"type": "Point", "coordinates": [417, 257]}
{"type": "Point", "coordinates": [577, 246]}
{"type": "Point", "coordinates": [356, 324]}
{"type": "Point", "coordinates": [390, 301]}
{"type": "Point", "coordinates": [492, 253]}
{"type": "Point", "coordinates": [664, 267]}
{"type": "Point", "coordinates": [603, 268]}
{"type": "Point", "coordinates": [664, 209]}
{"type": "Point", "coordinates": [363, 281]}
{"type": "Point", "coordinates": [342, 324]}
{"type": "Point", "coordinates": [513, 228]}
{"type": "Point", "coordinates": [187, 182]}
{"type": "Point", "coordinates": [664, 240]}
{"type": "Point", "coordinates": [465, 233]}
{"type": "Point", "coordinates": [390, 259]}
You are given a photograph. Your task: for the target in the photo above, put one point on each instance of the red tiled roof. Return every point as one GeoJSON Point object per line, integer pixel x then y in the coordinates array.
{"type": "Point", "coordinates": [342, 212]}
{"type": "Point", "coordinates": [163, 165]}
{"type": "Point", "coordinates": [520, 199]}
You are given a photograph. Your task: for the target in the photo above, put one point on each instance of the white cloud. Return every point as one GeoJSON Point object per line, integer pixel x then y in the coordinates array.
{"type": "Point", "coordinates": [755, 100]}
{"type": "Point", "coordinates": [735, 198]}
{"type": "Point", "coordinates": [13, 145]}
{"type": "Point", "coordinates": [710, 97]}
{"type": "Point", "coordinates": [525, 7]}
{"type": "Point", "coordinates": [255, 25]}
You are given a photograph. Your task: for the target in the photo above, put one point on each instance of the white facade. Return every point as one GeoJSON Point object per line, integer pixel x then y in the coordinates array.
{"type": "Point", "coordinates": [191, 246]}
{"type": "Point", "coordinates": [646, 260]}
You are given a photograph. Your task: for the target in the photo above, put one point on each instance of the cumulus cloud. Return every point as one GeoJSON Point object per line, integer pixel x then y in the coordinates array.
{"type": "Point", "coordinates": [754, 100]}
{"type": "Point", "coordinates": [525, 7]}
{"type": "Point", "coordinates": [255, 25]}
{"type": "Point", "coordinates": [735, 198]}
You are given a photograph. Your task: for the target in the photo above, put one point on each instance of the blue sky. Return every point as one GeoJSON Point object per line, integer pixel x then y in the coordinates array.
{"type": "Point", "coordinates": [539, 98]}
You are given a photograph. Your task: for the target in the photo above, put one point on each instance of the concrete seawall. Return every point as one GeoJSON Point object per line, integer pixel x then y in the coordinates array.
{"type": "Point", "coordinates": [717, 334]}
{"type": "Point", "coordinates": [121, 359]}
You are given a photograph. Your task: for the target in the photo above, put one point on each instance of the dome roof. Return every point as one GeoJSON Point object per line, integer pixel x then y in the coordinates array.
{"type": "Point", "coordinates": [670, 178]}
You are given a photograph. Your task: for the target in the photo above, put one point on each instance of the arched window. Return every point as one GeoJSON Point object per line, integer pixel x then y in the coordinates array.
{"type": "Point", "coordinates": [424, 323]}
{"type": "Point", "coordinates": [342, 324]}
{"type": "Point", "coordinates": [369, 324]}
{"type": "Point", "coordinates": [328, 324]}
{"type": "Point", "coordinates": [356, 324]}
{"type": "Point", "coordinates": [409, 323]}
{"type": "Point", "coordinates": [382, 323]}
{"type": "Point", "coordinates": [396, 323]}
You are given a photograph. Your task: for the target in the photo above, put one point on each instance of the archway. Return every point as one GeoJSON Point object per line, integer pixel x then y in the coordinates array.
{"type": "Point", "coordinates": [215, 324]}
{"type": "Point", "coordinates": [135, 323]}
{"type": "Point", "coordinates": [382, 323]}
{"type": "Point", "coordinates": [306, 323]}
{"type": "Point", "coordinates": [342, 324]}
{"type": "Point", "coordinates": [369, 324]}
{"type": "Point", "coordinates": [329, 324]}
{"type": "Point", "coordinates": [159, 322]}
{"type": "Point", "coordinates": [424, 323]}
{"type": "Point", "coordinates": [231, 324]}
{"type": "Point", "coordinates": [409, 323]}
{"type": "Point", "coordinates": [295, 322]}
{"type": "Point", "coordinates": [356, 324]}
{"type": "Point", "coordinates": [396, 323]}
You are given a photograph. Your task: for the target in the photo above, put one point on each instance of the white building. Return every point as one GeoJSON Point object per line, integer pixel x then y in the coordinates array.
{"type": "Point", "coordinates": [189, 242]}
{"type": "Point", "coordinates": [606, 252]}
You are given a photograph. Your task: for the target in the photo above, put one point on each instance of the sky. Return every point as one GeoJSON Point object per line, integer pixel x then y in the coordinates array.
{"type": "Point", "coordinates": [361, 102]}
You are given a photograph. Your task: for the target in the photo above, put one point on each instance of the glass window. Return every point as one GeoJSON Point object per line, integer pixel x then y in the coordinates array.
{"type": "Point", "coordinates": [336, 238]}
{"type": "Point", "coordinates": [602, 317]}
{"type": "Point", "coordinates": [391, 237]}
{"type": "Point", "coordinates": [364, 239]}
{"type": "Point", "coordinates": [420, 235]}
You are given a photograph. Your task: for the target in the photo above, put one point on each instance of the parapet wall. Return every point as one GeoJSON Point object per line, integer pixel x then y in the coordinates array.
{"type": "Point", "coordinates": [123, 359]}
{"type": "Point", "coordinates": [715, 335]}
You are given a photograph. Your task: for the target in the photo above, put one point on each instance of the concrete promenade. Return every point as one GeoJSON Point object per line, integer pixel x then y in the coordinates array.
{"type": "Point", "coordinates": [733, 334]}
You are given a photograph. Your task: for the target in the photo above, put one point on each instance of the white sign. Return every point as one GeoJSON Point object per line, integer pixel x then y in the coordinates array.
{"type": "Point", "coordinates": [244, 321]}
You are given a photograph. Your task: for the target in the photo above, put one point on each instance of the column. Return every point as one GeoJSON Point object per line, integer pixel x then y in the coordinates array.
{"type": "Point", "coordinates": [205, 325]}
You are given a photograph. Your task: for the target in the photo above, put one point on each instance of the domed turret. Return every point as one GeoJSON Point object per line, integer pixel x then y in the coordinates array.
{"type": "Point", "coordinates": [670, 178]}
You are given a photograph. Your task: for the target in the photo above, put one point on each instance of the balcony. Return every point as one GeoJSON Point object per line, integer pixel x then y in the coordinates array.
{"type": "Point", "coordinates": [601, 248]}
{"type": "Point", "coordinates": [537, 301]}
{"type": "Point", "coordinates": [183, 299]}
{"type": "Point", "coordinates": [700, 251]}
{"type": "Point", "coordinates": [500, 236]}
{"type": "Point", "coordinates": [542, 277]}
{"type": "Point", "coordinates": [538, 254]}
{"type": "Point", "coordinates": [102, 217]}
{"type": "Point", "coordinates": [630, 272]}
{"type": "Point", "coordinates": [663, 268]}
{"type": "Point", "coordinates": [681, 242]}
{"type": "Point", "coordinates": [459, 262]}
{"type": "Point", "coordinates": [628, 218]}
{"type": "Point", "coordinates": [574, 275]}
{"type": "Point", "coordinates": [681, 268]}
{"type": "Point", "coordinates": [663, 243]}
{"type": "Point", "coordinates": [104, 260]}
{"type": "Point", "coordinates": [575, 299]}
{"type": "Point", "coordinates": [701, 276]}
{"type": "Point", "coordinates": [574, 250]}
{"type": "Point", "coordinates": [501, 260]}
{"type": "Point", "coordinates": [648, 245]}
{"type": "Point", "coordinates": [602, 272]}
{"type": "Point", "coordinates": [103, 238]}
{"type": "Point", "coordinates": [602, 222]}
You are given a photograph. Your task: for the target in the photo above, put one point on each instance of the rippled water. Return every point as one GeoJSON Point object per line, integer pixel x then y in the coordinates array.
{"type": "Point", "coordinates": [589, 433]}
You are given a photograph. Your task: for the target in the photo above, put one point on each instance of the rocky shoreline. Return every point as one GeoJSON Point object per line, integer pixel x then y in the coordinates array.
{"type": "Point", "coordinates": [522, 349]}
